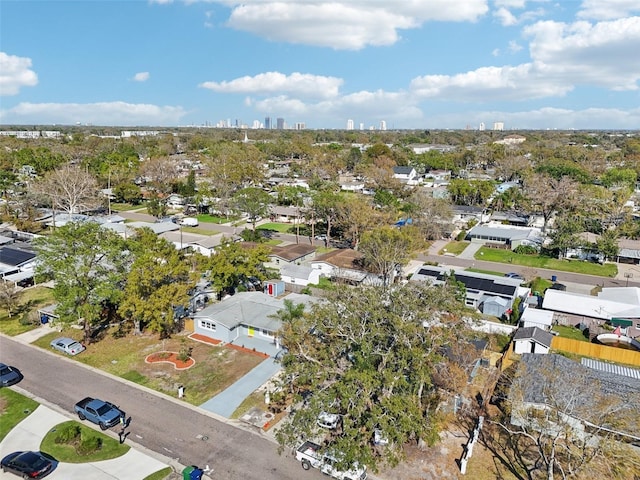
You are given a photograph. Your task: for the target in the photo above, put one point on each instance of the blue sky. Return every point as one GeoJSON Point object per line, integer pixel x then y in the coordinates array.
{"type": "Point", "coordinates": [532, 64]}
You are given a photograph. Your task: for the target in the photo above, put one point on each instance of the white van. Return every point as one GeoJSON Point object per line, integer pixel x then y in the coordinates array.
{"type": "Point", "coordinates": [189, 222]}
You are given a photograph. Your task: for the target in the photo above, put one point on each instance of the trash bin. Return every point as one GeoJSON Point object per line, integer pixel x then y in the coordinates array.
{"type": "Point", "coordinates": [192, 473]}
{"type": "Point", "coordinates": [554, 278]}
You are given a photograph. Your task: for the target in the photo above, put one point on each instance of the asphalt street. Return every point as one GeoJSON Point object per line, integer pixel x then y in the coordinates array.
{"type": "Point", "coordinates": [183, 434]}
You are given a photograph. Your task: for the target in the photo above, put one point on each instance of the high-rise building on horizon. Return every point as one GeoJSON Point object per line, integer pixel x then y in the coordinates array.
{"type": "Point", "coordinates": [498, 126]}
{"type": "Point", "coordinates": [481, 127]}
{"type": "Point", "coordinates": [267, 123]}
{"type": "Point", "coordinates": [350, 124]}
{"type": "Point", "coordinates": [361, 126]}
{"type": "Point", "coordinates": [383, 125]}
{"type": "Point", "coordinates": [280, 123]}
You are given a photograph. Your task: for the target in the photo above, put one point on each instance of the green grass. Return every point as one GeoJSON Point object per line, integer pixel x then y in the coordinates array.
{"type": "Point", "coordinates": [30, 300]}
{"type": "Point", "coordinates": [486, 272]}
{"type": "Point", "coordinates": [63, 452]}
{"type": "Point", "coordinates": [539, 261]}
{"type": "Point", "coordinates": [14, 408]}
{"type": "Point", "coordinates": [206, 218]}
{"type": "Point", "coordinates": [124, 207]}
{"type": "Point", "coordinates": [254, 400]}
{"type": "Point", "coordinates": [540, 285]}
{"type": "Point", "coordinates": [200, 231]}
{"type": "Point", "coordinates": [160, 474]}
{"type": "Point", "coordinates": [278, 227]}
{"type": "Point", "coordinates": [455, 247]}
{"type": "Point", "coordinates": [570, 332]}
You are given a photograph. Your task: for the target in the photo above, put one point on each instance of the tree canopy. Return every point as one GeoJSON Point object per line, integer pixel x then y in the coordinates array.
{"type": "Point", "coordinates": [367, 355]}
{"type": "Point", "coordinates": [87, 264]}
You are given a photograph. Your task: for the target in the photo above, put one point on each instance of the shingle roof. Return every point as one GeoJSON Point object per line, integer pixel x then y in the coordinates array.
{"type": "Point", "coordinates": [534, 333]}
{"type": "Point", "coordinates": [546, 376]}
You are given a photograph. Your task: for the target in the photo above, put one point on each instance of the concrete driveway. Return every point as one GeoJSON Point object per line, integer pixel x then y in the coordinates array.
{"type": "Point", "coordinates": [28, 434]}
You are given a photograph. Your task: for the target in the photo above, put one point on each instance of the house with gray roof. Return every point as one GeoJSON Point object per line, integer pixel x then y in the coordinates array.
{"type": "Point", "coordinates": [531, 340]}
{"type": "Point", "coordinates": [246, 319]}
{"type": "Point", "coordinates": [578, 392]}
{"type": "Point", "coordinates": [492, 293]}
{"type": "Point", "coordinates": [508, 235]}
{"type": "Point", "coordinates": [301, 275]}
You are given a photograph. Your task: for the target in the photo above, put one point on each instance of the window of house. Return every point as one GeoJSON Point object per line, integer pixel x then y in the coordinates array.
{"type": "Point", "coordinates": [208, 325]}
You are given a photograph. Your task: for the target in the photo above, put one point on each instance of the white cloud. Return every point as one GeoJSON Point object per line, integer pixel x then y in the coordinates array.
{"type": "Point", "coordinates": [269, 83]}
{"type": "Point", "coordinates": [103, 113]}
{"type": "Point", "coordinates": [514, 46]}
{"type": "Point", "coordinates": [505, 17]}
{"type": "Point", "coordinates": [608, 9]}
{"type": "Point", "coordinates": [490, 83]}
{"type": "Point", "coordinates": [141, 77]}
{"type": "Point", "coordinates": [543, 118]}
{"type": "Point", "coordinates": [349, 25]}
{"type": "Point", "coordinates": [15, 73]}
{"type": "Point", "coordinates": [591, 54]}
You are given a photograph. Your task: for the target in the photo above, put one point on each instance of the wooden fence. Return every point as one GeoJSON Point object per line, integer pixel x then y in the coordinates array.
{"type": "Point", "coordinates": [594, 350]}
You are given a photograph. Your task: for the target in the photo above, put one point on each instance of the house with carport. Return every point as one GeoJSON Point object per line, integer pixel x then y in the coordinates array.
{"type": "Point", "coordinates": [246, 319]}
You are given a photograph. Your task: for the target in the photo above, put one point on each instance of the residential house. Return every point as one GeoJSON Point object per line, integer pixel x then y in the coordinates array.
{"type": "Point", "coordinates": [344, 265]}
{"type": "Point", "coordinates": [629, 251]}
{"type": "Point", "coordinates": [491, 294]}
{"type": "Point", "coordinates": [507, 235]}
{"type": "Point", "coordinates": [462, 214]}
{"type": "Point", "coordinates": [300, 275]}
{"type": "Point", "coordinates": [351, 183]}
{"type": "Point", "coordinates": [284, 214]}
{"type": "Point", "coordinates": [535, 317]}
{"type": "Point", "coordinates": [554, 381]}
{"type": "Point", "coordinates": [296, 253]}
{"type": "Point", "coordinates": [406, 174]}
{"type": "Point", "coordinates": [247, 319]}
{"type": "Point", "coordinates": [17, 262]}
{"type": "Point", "coordinates": [532, 340]}
{"type": "Point", "coordinates": [588, 311]}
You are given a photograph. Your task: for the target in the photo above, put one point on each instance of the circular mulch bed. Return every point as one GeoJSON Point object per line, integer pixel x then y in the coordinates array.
{"type": "Point", "coordinates": [170, 357]}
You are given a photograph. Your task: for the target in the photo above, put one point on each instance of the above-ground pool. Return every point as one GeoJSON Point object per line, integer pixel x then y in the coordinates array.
{"type": "Point", "coordinates": [615, 340]}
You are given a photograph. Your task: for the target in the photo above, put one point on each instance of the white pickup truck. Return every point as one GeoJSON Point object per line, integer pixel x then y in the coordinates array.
{"type": "Point", "coordinates": [308, 454]}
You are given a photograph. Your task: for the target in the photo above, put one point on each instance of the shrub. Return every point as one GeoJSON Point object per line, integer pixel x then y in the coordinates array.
{"type": "Point", "coordinates": [461, 236]}
{"type": "Point", "coordinates": [525, 250]}
{"type": "Point", "coordinates": [68, 433]}
{"type": "Point", "coordinates": [89, 445]}
{"type": "Point", "coordinates": [185, 351]}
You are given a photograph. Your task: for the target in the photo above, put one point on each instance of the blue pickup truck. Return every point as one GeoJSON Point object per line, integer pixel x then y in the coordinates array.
{"type": "Point", "coordinates": [103, 414]}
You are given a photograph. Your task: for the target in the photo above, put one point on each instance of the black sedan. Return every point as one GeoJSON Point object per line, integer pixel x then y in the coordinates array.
{"type": "Point", "coordinates": [27, 464]}
{"type": "Point", "coordinates": [9, 375]}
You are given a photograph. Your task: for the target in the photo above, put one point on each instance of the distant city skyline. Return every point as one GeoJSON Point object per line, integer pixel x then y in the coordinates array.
{"type": "Point", "coordinates": [527, 64]}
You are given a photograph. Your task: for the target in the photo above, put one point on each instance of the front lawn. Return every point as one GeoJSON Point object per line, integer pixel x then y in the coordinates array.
{"type": "Point", "coordinates": [454, 247]}
{"type": "Point", "coordinates": [278, 227]}
{"type": "Point", "coordinates": [13, 409]}
{"type": "Point", "coordinates": [216, 367]}
{"type": "Point", "coordinates": [30, 300]}
{"type": "Point", "coordinates": [539, 261]}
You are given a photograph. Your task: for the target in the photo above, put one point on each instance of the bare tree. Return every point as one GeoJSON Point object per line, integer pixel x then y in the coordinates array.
{"type": "Point", "coordinates": [9, 296]}
{"type": "Point", "coordinates": [70, 189]}
{"type": "Point", "coordinates": [547, 195]}
{"type": "Point", "coordinates": [561, 416]}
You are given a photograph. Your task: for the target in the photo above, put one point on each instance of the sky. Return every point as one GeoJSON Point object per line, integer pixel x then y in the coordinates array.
{"type": "Point", "coordinates": [408, 64]}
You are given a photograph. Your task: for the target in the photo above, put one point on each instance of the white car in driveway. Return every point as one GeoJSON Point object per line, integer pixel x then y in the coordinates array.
{"type": "Point", "coordinates": [67, 345]}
